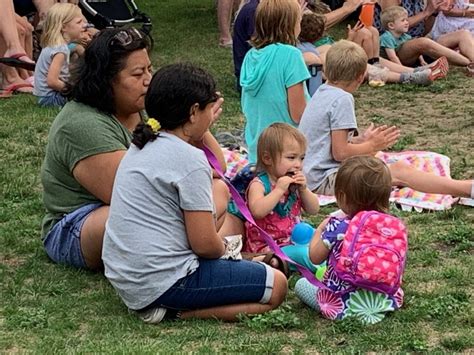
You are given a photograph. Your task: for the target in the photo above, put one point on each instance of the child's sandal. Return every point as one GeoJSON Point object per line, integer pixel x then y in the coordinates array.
{"type": "Point", "coordinates": [270, 259]}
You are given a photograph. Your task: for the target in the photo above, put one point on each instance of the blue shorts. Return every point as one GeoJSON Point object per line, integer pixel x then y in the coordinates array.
{"type": "Point", "coordinates": [219, 282]}
{"type": "Point", "coordinates": [54, 99]}
{"type": "Point", "coordinates": [63, 243]}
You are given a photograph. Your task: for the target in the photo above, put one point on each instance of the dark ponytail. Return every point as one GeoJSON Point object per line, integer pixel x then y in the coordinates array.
{"type": "Point", "coordinates": [143, 134]}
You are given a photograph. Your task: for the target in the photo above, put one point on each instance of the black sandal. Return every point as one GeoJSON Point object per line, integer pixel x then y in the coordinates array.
{"type": "Point", "coordinates": [282, 264]}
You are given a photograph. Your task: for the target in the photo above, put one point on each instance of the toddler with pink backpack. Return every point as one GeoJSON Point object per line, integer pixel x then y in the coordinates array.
{"type": "Point", "coordinates": [365, 249]}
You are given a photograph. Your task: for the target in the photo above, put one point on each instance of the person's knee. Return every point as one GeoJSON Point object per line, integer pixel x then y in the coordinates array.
{"type": "Point", "coordinates": [365, 34]}
{"type": "Point", "coordinates": [221, 191]}
{"type": "Point", "coordinates": [464, 36]}
{"type": "Point", "coordinates": [373, 31]}
{"type": "Point", "coordinates": [280, 289]}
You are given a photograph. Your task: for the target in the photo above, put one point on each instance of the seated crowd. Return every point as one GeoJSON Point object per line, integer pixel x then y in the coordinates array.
{"type": "Point", "coordinates": [128, 184]}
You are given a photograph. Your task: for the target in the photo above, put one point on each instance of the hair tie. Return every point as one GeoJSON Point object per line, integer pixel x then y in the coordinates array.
{"type": "Point", "coordinates": [154, 125]}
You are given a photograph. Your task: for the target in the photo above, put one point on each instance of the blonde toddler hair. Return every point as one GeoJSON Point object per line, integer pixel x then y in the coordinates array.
{"type": "Point", "coordinates": [391, 14]}
{"type": "Point", "coordinates": [57, 16]}
{"type": "Point", "coordinates": [345, 62]}
{"type": "Point", "coordinates": [271, 142]}
{"type": "Point", "coordinates": [275, 21]}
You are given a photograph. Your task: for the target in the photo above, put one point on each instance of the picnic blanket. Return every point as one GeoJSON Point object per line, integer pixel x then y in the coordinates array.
{"type": "Point", "coordinates": [407, 198]}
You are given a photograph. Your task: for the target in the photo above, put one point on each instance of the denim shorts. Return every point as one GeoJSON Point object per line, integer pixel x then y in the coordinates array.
{"type": "Point", "coordinates": [53, 99]}
{"type": "Point", "coordinates": [63, 243]}
{"type": "Point", "coordinates": [217, 283]}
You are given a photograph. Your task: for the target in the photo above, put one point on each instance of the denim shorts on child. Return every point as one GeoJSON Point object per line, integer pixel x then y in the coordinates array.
{"type": "Point", "coordinates": [54, 99]}
{"type": "Point", "coordinates": [62, 243]}
{"type": "Point", "coordinates": [219, 282]}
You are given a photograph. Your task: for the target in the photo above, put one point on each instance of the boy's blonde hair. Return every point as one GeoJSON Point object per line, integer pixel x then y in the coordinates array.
{"type": "Point", "coordinates": [271, 143]}
{"type": "Point", "coordinates": [363, 183]}
{"type": "Point", "coordinates": [345, 62]}
{"type": "Point", "coordinates": [312, 26]}
{"type": "Point", "coordinates": [275, 21]}
{"type": "Point", "coordinates": [57, 16]}
{"type": "Point", "coordinates": [391, 14]}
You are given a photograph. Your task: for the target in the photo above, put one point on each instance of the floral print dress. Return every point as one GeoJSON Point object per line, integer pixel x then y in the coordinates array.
{"type": "Point", "coordinates": [278, 224]}
{"type": "Point", "coordinates": [368, 306]}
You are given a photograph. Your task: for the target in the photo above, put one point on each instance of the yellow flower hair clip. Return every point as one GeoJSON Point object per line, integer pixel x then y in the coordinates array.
{"type": "Point", "coordinates": [154, 125]}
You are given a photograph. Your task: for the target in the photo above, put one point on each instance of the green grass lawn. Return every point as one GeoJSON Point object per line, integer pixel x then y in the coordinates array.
{"type": "Point", "coordinates": [49, 308]}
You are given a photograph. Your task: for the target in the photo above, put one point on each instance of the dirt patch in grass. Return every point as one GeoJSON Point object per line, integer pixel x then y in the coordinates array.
{"type": "Point", "coordinates": [437, 118]}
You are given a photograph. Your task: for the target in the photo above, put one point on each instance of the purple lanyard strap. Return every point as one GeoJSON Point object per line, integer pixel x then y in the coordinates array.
{"type": "Point", "coordinates": [239, 201]}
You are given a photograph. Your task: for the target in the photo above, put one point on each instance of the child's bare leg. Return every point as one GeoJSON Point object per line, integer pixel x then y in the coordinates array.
{"type": "Point", "coordinates": [395, 67]}
{"type": "Point", "coordinates": [375, 40]}
{"type": "Point", "coordinates": [411, 50]}
{"type": "Point", "coordinates": [363, 38]}
{"type": "Point", "coordinates": [461, 39]}
{"type": "Point", "coordinates": [220, 193]}
{"type": "Point", "coordinates": [405, 175]}
{"type": "Point", "coordinates": [393, 77]}
{"type": "Point", "coordinates": [231, 312]}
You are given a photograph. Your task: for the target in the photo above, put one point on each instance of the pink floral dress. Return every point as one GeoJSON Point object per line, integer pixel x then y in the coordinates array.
{"type": "Point", "coordinates": [277, 224]}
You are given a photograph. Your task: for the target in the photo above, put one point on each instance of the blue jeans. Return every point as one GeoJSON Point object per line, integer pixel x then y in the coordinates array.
{"type": "Point", "coordinates": [63, 243]}
{"type": "Point", "coordinates": [219, 282]}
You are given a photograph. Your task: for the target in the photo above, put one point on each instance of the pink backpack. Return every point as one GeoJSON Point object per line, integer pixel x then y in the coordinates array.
{"type": "Point", "coordinates": [373, 252]}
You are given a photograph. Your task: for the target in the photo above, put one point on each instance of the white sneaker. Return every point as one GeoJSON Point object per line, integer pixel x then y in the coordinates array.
{"type": "Point", "coordinates": [153, 315]}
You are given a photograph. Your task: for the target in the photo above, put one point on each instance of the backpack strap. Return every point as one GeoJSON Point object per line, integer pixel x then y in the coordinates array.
{"type": "Point", "coordinates": [240, 203]}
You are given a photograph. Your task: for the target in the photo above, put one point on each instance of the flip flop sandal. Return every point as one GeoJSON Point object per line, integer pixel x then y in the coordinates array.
{"type": "Point", "coordinates": [282, 265]}
{"type": "Point", "coordinates": [470, 70]}
{"type": "Point", "coordinates": [15, 61]}
{"type": "Point", "coordinates": [13, 89]}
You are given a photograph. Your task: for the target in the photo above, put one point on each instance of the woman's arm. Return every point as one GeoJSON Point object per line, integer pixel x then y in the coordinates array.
{"type": "Point", "coordinates": [296, 102]}
{"type": "Point", "coordinates": [97, 173]}
{"type": "Point", "coordinates": [52, 79]}
{"type": "Point", "coordinates": [202, 234]}
{"type": "Point", "coordinates": [430, 9]}
{"type": "Point", "coordinates": [341, 13]}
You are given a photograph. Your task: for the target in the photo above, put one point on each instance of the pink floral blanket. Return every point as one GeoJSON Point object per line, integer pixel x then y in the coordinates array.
{"type": "Point", "coordinates": [406, 197]}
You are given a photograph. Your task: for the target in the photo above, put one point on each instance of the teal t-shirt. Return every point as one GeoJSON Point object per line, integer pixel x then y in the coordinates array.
{"type": "Point", "coordinates": [266, 75]}
{"type": "Point", "coordinates": [78, 131]}
{"type": "Point", "coordinates": [388, 40]}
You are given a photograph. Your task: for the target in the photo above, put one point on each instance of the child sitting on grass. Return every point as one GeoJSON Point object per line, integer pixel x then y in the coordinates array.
{"type": "Point", "coordinates": [330, 127]}
{"type": "Point", "coordinates": [64, 23]}
{"type": "Point", "coordinates": [363, 183]}
{"type": "Point", "coordinates": [278, 193]}
{"type": "Point", "coordinates": [398, 46]}
{"type": "Point", "coordinates": [312, 29]}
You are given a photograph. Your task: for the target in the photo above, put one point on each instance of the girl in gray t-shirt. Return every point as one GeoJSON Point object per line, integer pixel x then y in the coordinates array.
{"type": "Point", "coordinates": [64, 23]}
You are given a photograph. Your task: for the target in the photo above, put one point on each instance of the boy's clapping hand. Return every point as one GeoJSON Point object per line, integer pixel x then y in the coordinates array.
{"type": "Point", "coordinates": [382, 137]}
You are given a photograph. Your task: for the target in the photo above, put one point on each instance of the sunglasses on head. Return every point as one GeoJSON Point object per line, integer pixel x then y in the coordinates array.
{"type": "Point", "coordinates": [126, 37]}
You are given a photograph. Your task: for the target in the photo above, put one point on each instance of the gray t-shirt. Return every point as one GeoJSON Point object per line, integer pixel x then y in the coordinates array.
{"type": "Point", "coordinates": [146, 249]}
{"type": "Point", "coordinates": [316, 73]}
{"type": "Point", "coordinates": [42, 68]}
{"type": "Point", "coordinates": [330, 109]}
